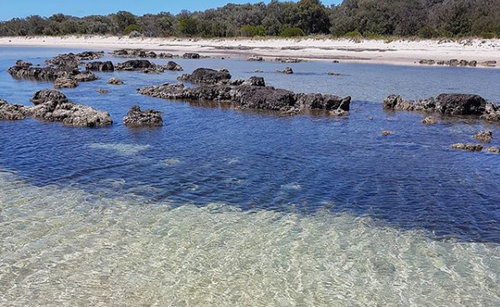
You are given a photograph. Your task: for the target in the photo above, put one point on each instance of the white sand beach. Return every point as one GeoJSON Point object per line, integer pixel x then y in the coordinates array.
{"type": "Point", "coordinates": [398, 52]}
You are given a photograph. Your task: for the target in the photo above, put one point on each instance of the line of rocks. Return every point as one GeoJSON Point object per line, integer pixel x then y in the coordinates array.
{"type": "Point", "coordinates": [141, 53]}
{"type": "Point", "coordinates": [251, 94]}
{"type": "Point", "coordinates": [447, 104]}
{"type": "Point", "coordinates": [146, 66]}
{"type": "Point", "coordinates": [457, 63]}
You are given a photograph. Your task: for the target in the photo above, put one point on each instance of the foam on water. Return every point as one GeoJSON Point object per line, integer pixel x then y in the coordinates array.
{"type": "Point", "coordinates": [120, 149]}
{"type": "Point", "coordinates": [66, 247]}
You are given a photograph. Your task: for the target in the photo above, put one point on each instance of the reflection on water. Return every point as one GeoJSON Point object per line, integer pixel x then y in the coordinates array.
{"type": "Point", "coordinates": [69, 247]}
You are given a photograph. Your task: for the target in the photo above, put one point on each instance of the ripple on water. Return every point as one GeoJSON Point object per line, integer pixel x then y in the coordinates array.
{"type": "Point", "coordinates": [121, 149]}
{"type": "Point", "coordinates": [66, 246]}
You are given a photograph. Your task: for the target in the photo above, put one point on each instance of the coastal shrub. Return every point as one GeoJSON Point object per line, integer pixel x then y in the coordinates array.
{"type": "Point", "coordinates": [487, 35]}
{"type": "Point", "coordinates": [249, 31]}
{"type": "Point", "coordinates": [353, 34]}
{"type": "Point", "coordinates": [291, 32]}
{"type": "Point", "coordinates": [428, 32]}
{"type": "Point", "coordinates": [132, 28]}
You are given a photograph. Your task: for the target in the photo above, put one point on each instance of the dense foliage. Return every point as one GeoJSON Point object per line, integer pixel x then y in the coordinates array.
{"type": "Point", "coordinates": [369, 18]}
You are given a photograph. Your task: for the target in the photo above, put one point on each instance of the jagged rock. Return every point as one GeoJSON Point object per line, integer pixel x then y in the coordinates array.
{"type": "Point", "coordinates": [190, 56]}
{"type": "Point", "coordinates": [493, 149]}
{"type": "Point", "coordinates": [255, 58]}
{"type": "Point", "coordinates": [427, 62]}
{"type": "Point", "coordinates": [287, 70]}
{"type": "Point", "coordinates": [100, 66]}
{"type": "Point", "coordinates": [65, 83]}
{"type": "Point", "coordinates": [251, 94]}
{"type": "Point", "coordinates": [134, 65]}
{"type": "Point", "coordinates": [429, 120]}
{"type": "Point", "coordinates": [115, 81]}
{"type": "Point", "coordinates": [141, 118]}
{"type": "Point", "coordinates": [85, 77]}
{"type": "Point", "coordinates": [24, 70]}
{"type": "Point", "coordinates": [255, 81]}
{"type": "Point", "coordinates": [206, 76]}
{"type": "Point", "coordinates": [467, 146]}
{"type": "Point", "coordinates": [11, 111]}
{"type": "Point", "coordinates": [288, 60]}
{"type": "Point", "coordinates": [51, 105]}
{"type": "Point", "coordinates": [484, 136]}
{"type": "Point", "coordinates": [450, 104]}
{"type": "Point", "coordinates": [171, 65]}
{"type": "Point", "coordinates": [387, 133]}
{"type": "Point", "coordinates": [491, 112]}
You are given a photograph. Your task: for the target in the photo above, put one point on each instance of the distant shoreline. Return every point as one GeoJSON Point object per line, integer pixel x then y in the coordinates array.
{"type": "Point", "coordinates": [397, 52]}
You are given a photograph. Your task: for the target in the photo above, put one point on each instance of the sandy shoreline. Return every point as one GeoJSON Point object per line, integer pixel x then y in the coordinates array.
{"type": "Point", "coordinates": [397, 52]}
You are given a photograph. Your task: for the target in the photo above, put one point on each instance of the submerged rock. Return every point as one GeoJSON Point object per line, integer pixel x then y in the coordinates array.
{"type": "Point", "coordinates": [484, 136]}
{"type": "Point", "coordinates": [467, 146]}
{"type": "Point", "coordinates": [206, 76]}
{"type": "Point", "coordinates": [250, 94]}
{"type": "Point", "coordinates": [143, 118]}
{"type": "Point", "coordinates": [429, 120]}
{"type": "Point", "coordinates": [447, 104]}
{"type": "Point", "coordinates": [103, 91]}
{"type": "Point", "coordinates": [387, 133]}
{"type": "Point", "coordinates": [115, 81]}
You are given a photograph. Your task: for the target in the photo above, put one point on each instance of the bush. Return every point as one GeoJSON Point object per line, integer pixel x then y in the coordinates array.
{"type": "Point", "coordinates": [428, 32]}
{"type": "Point", "coordinates": [250, 31]}
{"type": "Point", "coordinates": [353, 34]}
{"type": "Point", "coordinates": [487, 35]}
{"type": "Point", "coordinates": [291, 32]}
{"type": "Point", "coordinates": [131, 28]}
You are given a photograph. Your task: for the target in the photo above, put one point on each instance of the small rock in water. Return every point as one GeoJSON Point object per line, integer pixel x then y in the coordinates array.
{"type": "Point", "coordinates": [429, 120]}
{"type": "Point", "coordinates": [259, 71]}
{"type": "Point", "coordinates": [484, 136]}
{"type": "Point", "coordinates": [287, 70]}
{"type": "Point", "coordinates": [172, 66]}
{"type": "Point", "coordinates": [387, 132]}
{"type": "Point", "coordinates": [115, 81]}
{"type": "Point", "coordinates": [493, 149]}
{"type": "Point", "coordinates": [331, 73]}
{"type": "Point", "coordinates": [190, 56]}
{"type": "Point", "coordinates": [65, 83]}
{"type": "Point", "coordinates": [143, 118]}
{"type": "Point", "coordinates": [370, 117]}
{"type": "Point", "coordinates": [468, 147]}
{"type": "Point", "coordinates": [103, 91]}
{"type": "Point", "coordinates": [427, 62]}
{"type": "Point", "coordinates": [255, 58]}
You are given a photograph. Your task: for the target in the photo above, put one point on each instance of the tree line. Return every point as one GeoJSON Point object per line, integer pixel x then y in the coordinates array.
{"type": "Point", "coordinates": [352, 18]}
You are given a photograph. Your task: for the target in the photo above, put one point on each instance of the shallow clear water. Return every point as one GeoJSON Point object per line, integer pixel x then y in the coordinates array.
{"type": "Point", "coordinates": [222, 207]}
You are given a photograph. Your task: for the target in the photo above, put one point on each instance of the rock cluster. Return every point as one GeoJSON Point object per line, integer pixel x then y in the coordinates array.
{"type": "Point", "coordinates": [65, 83]}
{"type": "Point", "coordinates": [140, 53]}
{"type": "Point", "coordinates": [287, 70]}
{"type": "Point", "coordinates": [288, 60]}
{"type": "Point", "coordinates": [143, 118]}
{"type": "Point", "coordinates": [71, 59]}
{"type": "Point", "coordinates": [250, 94]}
{"type": "Point", "coordinates": [190, 56]}
{"type": "Point", "coordinates": [53, 106]}
{"type": "Point", "coordinates": [456, 62]}
{"type": "Point", "coordinates": [255, 58]}
{"type": "Point", "coordinates": [467, 146]}
{"type": "Point", "coordinates": [448, 104]}
{"type": "Point", "coordinates": [100, 66]}
{"type": "Point", "coordinates": [146, 66]}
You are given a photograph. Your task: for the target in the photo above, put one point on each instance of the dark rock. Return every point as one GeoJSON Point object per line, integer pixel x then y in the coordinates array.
{"type": "Point", "coordinates": [100, 66]}
{"type": "Point", "coordinates": [190, 56]}
{"type": "Point", "coordinates": [103, 91]}
{"type": "Point", "coordinates": [171, 65]}
{"type": "Point", "coordinates": [255, 81]}
{"type": "Point", "coordinates": [65, 83]}
{"type": "Point", "coordinates": [115, 81]}
{"type": "Point", "coordinates": [468, 147]}
{"type": "Point", "coordinates": [165, 55]}
{"type": "Point", "coordinates": [484, 136]}
{"type": "Point", "coordinates": [134, 65]}
{"type": "Point", "coordinates": [255, 58]}
{"type": "Point", "coordinates": [206, 76]}
{"type": "Point", "coordinates": [490, 63]}
{"type": "Point", "coordinates": [387, 133]}
{"type": "Point", "coordinates": [141, 118]}
{"type": "Point", "coordinates": [331, 73]}
{"type": "Point", "coordinates": [427, 62]}
{"type": "Point", "coordinates": [288, 60]}
{"type": "Point", "coordinates": [11, 111]}
{"type": "Point", "coordinates": [287, 70]}
{"type": "Point", "coordinates": [47, 95]}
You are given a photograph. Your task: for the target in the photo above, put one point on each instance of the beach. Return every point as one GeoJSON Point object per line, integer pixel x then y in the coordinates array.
{"type": "Point", "coordinates": [397, 52]}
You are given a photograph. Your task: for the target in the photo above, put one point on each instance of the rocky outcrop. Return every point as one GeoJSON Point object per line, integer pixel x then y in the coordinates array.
{"type": "Point", "coordinates": [100, 66]}
{"type": "Point", "coordinates": [65, 83]}
{"type": "Point", "coordinates": [288, 60]}
{"type": "Point", "coordinates": [115, 81]}
{"type": "Point", "coordinates": [140, 53]}
{"type": "Point", "coordinates": [484, 136]}
{"type": "Point", "coordinates": [52, 105]}
{"type": "Point", "coordinates": [73, 60]}
{"type": "Point", "coordinates": [143, 118]}
{"type": "Point", "coordinates": [190, 56]}
{"type": "Point", "coordinates": [467, 146]}
{"type": "Point", "coordinates": [11, 111]}
{"type": "Point", "coordinates": [144, 66]}
{"type": "Point", "coordinates": [24, 70]}
{"type": "Point", "coordinates": [251, 94]}
{"type": "Point", "coordinates": [207, 76]}
{"type": "Point", "coordinates": [172, 66]}
{"type": "Point", "coordinates": [447, 104]}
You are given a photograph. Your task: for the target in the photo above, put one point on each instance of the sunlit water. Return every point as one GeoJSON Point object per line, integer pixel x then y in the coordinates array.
{"type": "Point", "coordinates": [228, 208]}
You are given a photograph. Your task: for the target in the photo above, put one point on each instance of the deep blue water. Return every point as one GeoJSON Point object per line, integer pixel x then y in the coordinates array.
{"type": "Point", "coordinates": [410, 180]}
